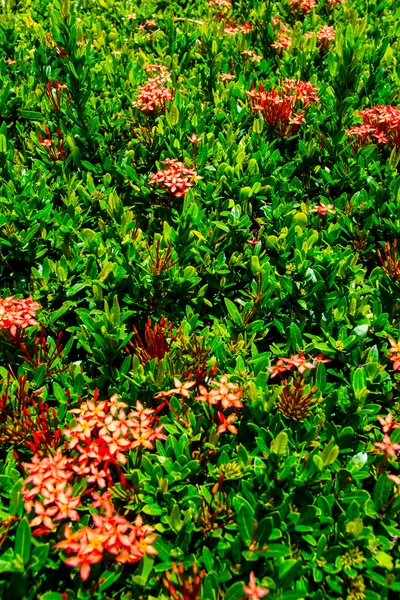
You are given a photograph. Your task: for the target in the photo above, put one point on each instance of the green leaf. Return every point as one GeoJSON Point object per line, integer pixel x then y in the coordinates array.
{"type": "Point", "coordinates": [245, 523]}
{"type": "Point", "coordinates": [295, 337]}
{"type": "Point", "coordinates": [39, 557]}
{"type": "Point", "coordinates": [280, 444]}
{"type": "Point", "coordinates": [233, 311]}
{"type": "Point", "coordinates": [175, 519]}
{"type": "Point", "coordinates": [143, 571]}
{"type": "Point", "coordinates": [382, 491]}
{"type": "Point", "coordinates": [22, 545]}
{"type": "Point", "coordinates": [3, 143]}
{"type": "Point", "coordinates": [110, 577]}
{"type": "Point", "coordinates": [32, 115]}
{"type": "Point", "coordinates": [288, 570]}
{"type": "Point", "coordinates": [330, 453]}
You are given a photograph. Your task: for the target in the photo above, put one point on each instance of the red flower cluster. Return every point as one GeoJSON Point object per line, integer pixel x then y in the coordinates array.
{"type": "Point", "coordinates": [297, 361]}
{"type": "Point", "coordinates": [325, 36]}
{"type": "Point", "coordinates": [381, 125]}
{"type": "Point", "coordinates": [55, 93]}
{"type": "Point", "coordinates": [153, 96]}
{"type": "Point", "coordinates": [55, 153]}
{"type": "Point", "coordinates": [25, 418]}
{"type": "Point", "coordinates": [280, 107]}
{"type": "Point", "coordinates": [17, 314]}
{"type": "Point", "coordinates": [112, 536]}
{"type": "Point", "coordinates": [303, 6]}
{"type": "Point", "coordinates": [176, 179]}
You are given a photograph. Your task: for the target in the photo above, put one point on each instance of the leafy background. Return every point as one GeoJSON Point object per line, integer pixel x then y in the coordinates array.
{"type": "Point", "coordinates": [306, 504]}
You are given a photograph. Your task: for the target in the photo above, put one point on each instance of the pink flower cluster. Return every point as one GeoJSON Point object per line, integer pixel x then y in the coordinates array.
{"type": "Point", "coordinates": [153, 96]}
{"type": "Point", "coordinates": [48, 490]}
{"type": "Point", "coordinates": [283, 39]}
{"type": "Point", "coordinates": [17, 314]}
{"type": "Point", "coordinates": [322, 209]}
{"type": "Point", "coordinates": [149, 23]}
{"type": "Point", "coordinates": [112, 536]}
{"type": "Point", "coordinates": [175, 179]}
{"type": "Point", "coordinates": [221, 395]}
{"type": "Point", "coordinates": [253, 56]}
{"type": "Point", "coordinates": [280, 107]}
{"type": "Point", "coordinates": [303, 6]}
{"type": "Point", "coordinates": [325, 36]}
{"type": "Point", "coordinates": [381, 125]}
{"type": "Point", "coordinates": [297, 361]}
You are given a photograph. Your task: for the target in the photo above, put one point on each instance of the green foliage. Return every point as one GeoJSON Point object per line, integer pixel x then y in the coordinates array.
{"type": "Point", "coordinates": [139, 286]}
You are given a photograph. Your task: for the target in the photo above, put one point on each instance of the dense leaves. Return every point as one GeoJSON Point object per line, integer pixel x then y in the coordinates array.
{"type": "Point", "coordinates": [199, 318]}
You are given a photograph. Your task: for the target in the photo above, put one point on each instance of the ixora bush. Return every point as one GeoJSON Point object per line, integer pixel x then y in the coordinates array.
{"type": "Point", "coordinates": [199, 303]}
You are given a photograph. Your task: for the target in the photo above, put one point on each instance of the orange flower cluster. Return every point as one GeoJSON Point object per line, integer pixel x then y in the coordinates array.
{"type": "Point", "coordinates": [111, 535]}
{"type": "Point", "coordinates": [153, 96]}
{"type": "Point", "coordinates": [234, 29]}
{"type": "Point", "coordinates": [303, 6]}
{"type": "Point", "coordinates": [394, 355]}
{"type": "Point", "coordinates": [104, 433]}
{"type": "Point", "coordinates": [176, 179]}
{"type": "Point", "coordinates": [50, 491]}
{"type": "Point", "coordinates": [280, 107]}
{"type": "Point", "coordinates": [17, 314]}
{"type": "Point", "coordinates": [381, 125]}
{"type": "Point", "coordinates": [325, 36]}
{"type": "Point", "coordinates": [297, 361]}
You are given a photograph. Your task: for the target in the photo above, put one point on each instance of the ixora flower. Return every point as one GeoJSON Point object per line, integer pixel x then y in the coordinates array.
{"type": "Point", "coordinates": [17, 314]}
{"type": "Point", "coordinates": [112, 535]}
{"type": "Point", "coordinates": [323, 209]}
{"type": "Point", "coordinates": [394, 355]}
{"type": "Point", "coordinates": [153, 96]}
{"type": "Point", "coordinates": [381, 125]}
{"type": "Point", "coordinates": [325, 36]}
{"type": "Point", "coordinates": [281, 107]}
{"type": "Point", "coordinates": [387, 446]}
{"type": "Point", "coordinates": [250, 54]}
{"type": "Point", "coordinates": [253, 591]}
{"type": "Point", "coordinates": [388, 424]}
{"type": "Point", "coordinates": [303, 6]}
{"type": "Point", "coordinates": [175, 179]}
